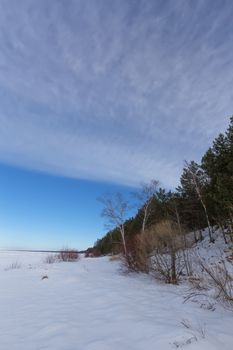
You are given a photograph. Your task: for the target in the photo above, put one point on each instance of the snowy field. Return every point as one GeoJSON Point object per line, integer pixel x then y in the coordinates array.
{"type": "Point", "coordinates": [90, 305]}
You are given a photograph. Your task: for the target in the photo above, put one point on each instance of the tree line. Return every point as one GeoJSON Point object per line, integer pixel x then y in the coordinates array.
{"type": "Point", "coordinates": [203, 199]}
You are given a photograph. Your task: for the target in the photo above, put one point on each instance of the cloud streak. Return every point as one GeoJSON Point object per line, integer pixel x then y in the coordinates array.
{"type": "Point", "coordinates": [119, 93]}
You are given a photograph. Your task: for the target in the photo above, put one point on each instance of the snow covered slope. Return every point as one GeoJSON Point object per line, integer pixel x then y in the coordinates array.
{"type": "Point", "coordinates": [90, 305]}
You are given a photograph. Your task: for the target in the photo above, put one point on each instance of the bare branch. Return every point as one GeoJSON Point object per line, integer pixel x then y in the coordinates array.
{"type": "Point", "coordinates": [144, 199]}
{"type": "Point", "coordinates": [115, 210]}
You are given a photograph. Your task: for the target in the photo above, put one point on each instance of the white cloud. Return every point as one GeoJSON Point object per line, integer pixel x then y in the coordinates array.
{"type": "Point", "coordinates": [118, 93]}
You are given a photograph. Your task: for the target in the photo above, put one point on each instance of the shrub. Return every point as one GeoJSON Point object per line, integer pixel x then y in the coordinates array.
{"type": "Point", "coordinates": [220, 279]}
{"type": "Point", "coordinates": [50, 259]}
{"type": "Point", "coordinates": [92, 253]}
{"type": "Point", "coordinates": [68, 255]}
{"type": "Point", "coordinates": [14, 266]}
{"type": "Point", "coordinates": [139, 249]}
{"type": "Point", "coordinates": [160, 251]}
{"type": "Point", "coordinates": [215, 280]}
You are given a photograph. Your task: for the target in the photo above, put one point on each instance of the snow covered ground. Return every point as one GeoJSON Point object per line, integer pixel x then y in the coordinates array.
{"type": "Point", "coordinates": [90, 305]}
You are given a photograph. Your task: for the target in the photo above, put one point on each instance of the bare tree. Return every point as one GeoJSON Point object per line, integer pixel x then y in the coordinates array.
{"type": "Point", "coordinates": [115, 211]}
{"type": "Point", "coordinates": [197, 188]}
{"type": "Point", "coordinates": [182, 233]}
{"type": "Point", "coordinates": [144, 199]}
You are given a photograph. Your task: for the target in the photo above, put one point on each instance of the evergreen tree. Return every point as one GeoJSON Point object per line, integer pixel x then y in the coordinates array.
{"type": "Point", "coordinates": [193, 183]}
{"type": "Point", "coordinates": [218, 164]}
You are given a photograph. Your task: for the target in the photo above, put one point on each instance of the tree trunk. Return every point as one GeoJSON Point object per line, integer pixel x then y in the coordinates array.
{"type": "Point", "coordinates": [231, 227]}
{"type": "Point", "coordinates": [145, 217]}
{"type": "Point", "coordinates": [208, 221]}
{"type": "Point", "coordinates": [173, 267]}
{"type": "Point", "coordinates": [195, 236]}
{"type": "Point", "coordinates": [122, 229]}
{"type": "Point", "coordinates": [143, 224]}
{"type": "Point", "coordinates": [223, 233]}
{"type": "Point", "coordinates": [201, 235]}
{"type": "Point", "coordinates": [182, 233]}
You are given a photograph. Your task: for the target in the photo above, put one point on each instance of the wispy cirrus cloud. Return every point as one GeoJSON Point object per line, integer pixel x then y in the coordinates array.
{"type": "Point", "coordinates": [118, 92]}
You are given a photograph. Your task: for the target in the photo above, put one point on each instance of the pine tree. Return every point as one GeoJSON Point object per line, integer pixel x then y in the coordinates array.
{"type": "Point", "coordinates": [218, 164]}
{"type": "Point", "coordinates": [193, 182]}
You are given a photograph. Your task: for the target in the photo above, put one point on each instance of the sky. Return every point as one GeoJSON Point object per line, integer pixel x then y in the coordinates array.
{"type": "Point", "coordinates": [99, 96]}
{"type": "Point", "coordinates": [39, 211]}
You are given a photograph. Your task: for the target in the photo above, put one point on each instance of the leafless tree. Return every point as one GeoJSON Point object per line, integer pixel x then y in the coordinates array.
{"type": "Point", "coordinates": [182, 233]}
{"type": "Point", "coordinates": [115, 210]}
{"type": "Point", "coordinates": [144, 198]}
{"type": "Point", "coordinates": [198, 191]}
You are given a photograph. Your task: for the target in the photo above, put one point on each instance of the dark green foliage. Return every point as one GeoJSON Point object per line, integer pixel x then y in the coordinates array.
{"type": "Point", "coordinates": [218, 165]}
{"type": "Point", "coordinates": [193, 185]}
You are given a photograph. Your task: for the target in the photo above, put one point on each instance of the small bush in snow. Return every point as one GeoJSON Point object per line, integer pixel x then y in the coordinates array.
{"type": "Point", "coordinates": [68, 255]}
{"type": "Point", "coordinates": [199, 330]}
{"type": "Point", "coordinates": [14, 266]}
{"type": "Point", "coordinates": [195, 333]}
{"type": "Point", "coordinates": [219, 278]}
{"type": "Point", "coordinates": [214, 281]}
{"type": "Point", "coordinates": [50, 259]}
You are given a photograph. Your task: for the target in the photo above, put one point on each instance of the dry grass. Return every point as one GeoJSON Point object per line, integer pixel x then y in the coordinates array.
{"type": "Point", "coordinates": [219, 278]}
{"type": "Point", "coordinates": [160, 250]}
{"type": "Point", "coordinates": [215, 281]}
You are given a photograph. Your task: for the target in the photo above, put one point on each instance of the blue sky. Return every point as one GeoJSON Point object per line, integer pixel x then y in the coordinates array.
{"type": "Point", "coordinates": [98, 94]}
{"type": "Point", "coordinates": [50, 212]}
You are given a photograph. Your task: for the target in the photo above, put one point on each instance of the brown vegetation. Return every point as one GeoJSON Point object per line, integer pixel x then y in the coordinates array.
{"type": "Point", "coordinates": [68, 255]}
{"type": "Point", "coordinates": [160, 251]}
